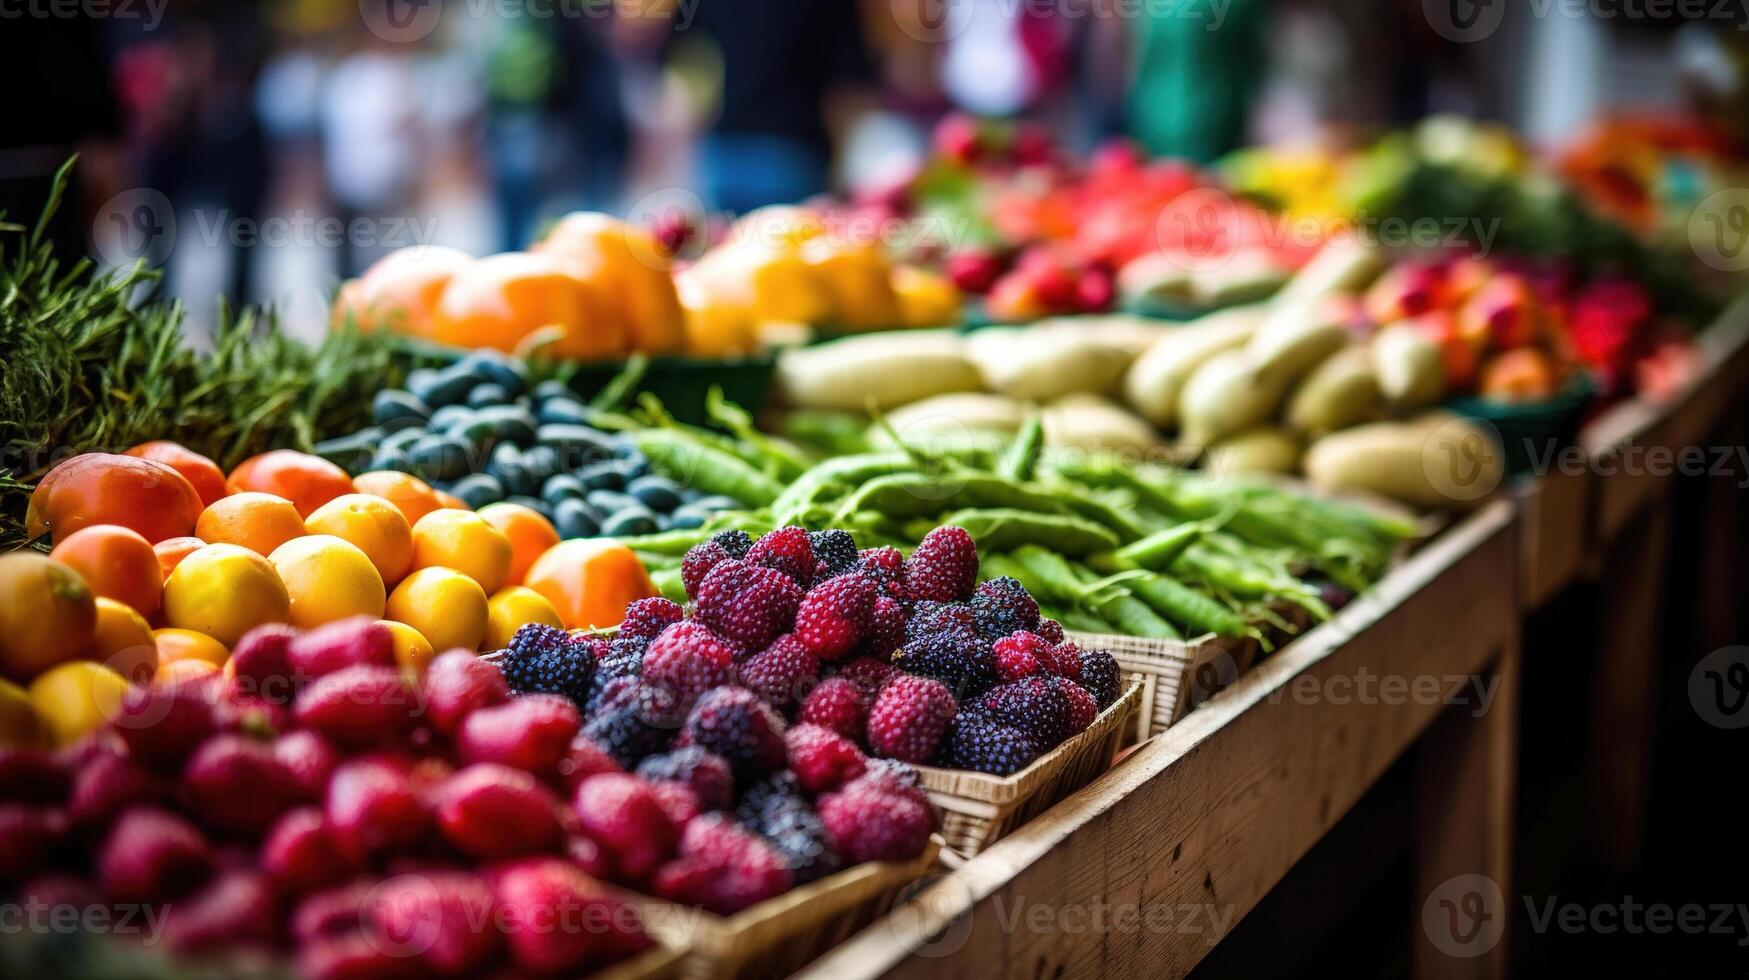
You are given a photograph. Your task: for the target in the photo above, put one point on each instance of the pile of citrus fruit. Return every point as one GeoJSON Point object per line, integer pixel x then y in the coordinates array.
{"type": "Point", "coordinates": [161, 562]}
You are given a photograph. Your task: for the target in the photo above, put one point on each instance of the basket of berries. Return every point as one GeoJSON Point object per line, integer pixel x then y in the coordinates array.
{"type": "Point", "coordinates": [1173, 676]}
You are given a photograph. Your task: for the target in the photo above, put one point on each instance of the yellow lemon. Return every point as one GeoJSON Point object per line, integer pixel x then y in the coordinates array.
{"type": "Point", "coordinates": [412, 650]}
{"type": "Point", "coordinates": [466, 542]}
{"type": "Point", "coordinates": [224, 591]}
{"type": "Point", "coordinates": [76, 697]}
{"type": "Point", "coordinates": [445, 606]}
{"type": "Point", "coordinates": [513, 608]}
{"type": "Point", "coordinates": [20, 726]}
{"type": "Point", "coordinates": [124, 642]}
{"type": "Point", "coordinates": [177, 645]}
{"type": "Point", "coordinates": [372, 525]}
{"type": "Point", "coordinates": [327, 579]}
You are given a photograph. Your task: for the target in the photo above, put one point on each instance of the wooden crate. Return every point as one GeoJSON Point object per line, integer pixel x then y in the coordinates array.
{"type": "Point", "coordinates": [661, 963]}
{"type": "Point", "coordinates": [1163, 671]}
{"type": "Point", "coordinates": [978, 809]}
{"type": "Point", "coordinates": [781, 935]}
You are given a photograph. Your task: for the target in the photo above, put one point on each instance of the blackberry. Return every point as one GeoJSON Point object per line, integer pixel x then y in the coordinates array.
{"type": "Point", "coordinates": [957, 656]}
{"type": "Point", "coordinates": [736, 543]}
{"type": "Point", "coordinates": [800, 837]}
{"type": "Point", "coordinates": [735, 724]}
{"type": "Point", "coordinates": [1036, 705]}
{"type": "Point", "coordinates": [624, 658]}
{"type": "Point", "coordinates": [979, 742]}
{"type": "Point", "coordinates": [1101, 676]}
{"type": "Point", "coordinates": [765, 798]}
{"type": "Point", "coordinates": [624, 735]}
{"type": "Point", "coordinates": [543, 659]}
{"type": "Point", "coordinates": [929, 617]}
{"type": "Point", "coordinates": [704, 772]}
{"type": "Point", "coordinates": [1002, 606]}
{"type": "Point", "coordinates": [834, 550]}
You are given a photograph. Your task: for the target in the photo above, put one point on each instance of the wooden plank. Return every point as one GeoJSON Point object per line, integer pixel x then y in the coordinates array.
{"type": "Point", "coordinates": [1554, 531]}
{"type": "Point", "coordinates": [1144, 871]}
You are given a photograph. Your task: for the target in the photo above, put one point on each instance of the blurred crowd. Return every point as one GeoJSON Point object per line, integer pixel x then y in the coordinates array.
{"type": "Point", "coordinates": [343, 128]}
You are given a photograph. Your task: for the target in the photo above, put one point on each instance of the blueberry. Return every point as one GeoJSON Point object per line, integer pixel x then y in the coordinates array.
{"type": "Point", "coordinates": [574, 519]}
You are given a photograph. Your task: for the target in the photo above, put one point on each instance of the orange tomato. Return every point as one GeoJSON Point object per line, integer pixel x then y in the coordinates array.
{"type": "Point", "coordinates": [502, 301]}
{"type": "Point", "coordinates": [590, 581]}
{"type": "Point", "coordinates": [401, 290]}
{"type": "Point", "coordinates": [530, 535]}
{"type": "Point", "coordinates": [307, 481]}
{"type": "Point", "coordinates": [412, 495]}
{"type": "Point", "coordinates": [260, 522]}
{"type": "Point", "coordinates": [171, 551]}
{"type": "Point", "coordinates": [117, 563]}
{"type": "Point", "coordinates": [631, 270]}
{"type": "Point", "coordinates": [204, 474]}
{"type": "Point", "coordinates": [102, 488]}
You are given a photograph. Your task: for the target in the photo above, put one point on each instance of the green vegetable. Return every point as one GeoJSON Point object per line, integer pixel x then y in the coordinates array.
{"type": "Point", "coordinates": [1152, 553]}
{"type": "Point", "coordinates": [1022, 454]}
{"type": "Point", "coordinates": [669, 583]}
{"type": "Point", "coordinates": [1182, 604]}
{"type": "Point", "coordinates": [1064, 583]}
{"type": "Point", "coordinates": [1002, 528]}
{"type": "Point", "coordinates": [781, 461]}
{"type": "Point", "coordinates": [848, 470]}
{"type": "Point", "coordinates": [917, 494]}
{"type": "Point", "coordinates": [692, 463]}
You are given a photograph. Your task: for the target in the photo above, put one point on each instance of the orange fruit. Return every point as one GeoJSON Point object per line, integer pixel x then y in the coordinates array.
{"type": "Point", "coordinates": [224, 591]}
{"type": "Point", "coordinates": [171, 551]}
{"type": "Point", "coordinates": [512, 609]}
{"type": "Point", "coordinates": [590, 581]}
{"type": "Point", "coordinates": [202, 473]}
{"type": "Point", "coordinates": [20, 726]}
{"type": "Point", "coordinates": [174, 671]}
{"type": "Point", "coordinates": [47, 614]}
{"type": "Point", "coordinates": [413, 651]}
{"type": "Point", "coordinates": [75, 698]}
{"type": "Point", "coordinates": [115, 562]}
{"type": "Point", "coordinates": [400, 291]}
{"type": "Point", "coordinates": [530, 535]}
{"type": "Point", "coordinates": [327, 579]}
{"type": "Point", "coordinates": [179, 644]}
{"type": "Point", "coordinates": [372, 525]}
{"type": "Point", "coordinates": [101, 488]}
{"type": "Point", "coordinates": [501, 301]}
{"type": "Point", "coordinates": [631, 270]}
{"type": "Point", "coordinates": [307, 481]}
{"type": "Point", "coordinates": [260, 522]}
{"type": "Point", "coordinates": [413, 496]}
{"type": "Point", "coordinates": [123, 642]}
{"type": "Point", "coordinates": [464, 541]}
{"type": "Point", "coordinates": [445, 606]}
{"type": "Point", "coordinates": [449, 501]}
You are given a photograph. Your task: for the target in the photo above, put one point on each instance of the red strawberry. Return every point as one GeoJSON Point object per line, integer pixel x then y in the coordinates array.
{"type": "Point", "coordinates": [531, 732]}
{"type": "Point", "coordinates": [359, 705]}
{"type": "Point", "coordinates": [909, 718]}
{"type": "Point", "coordinates": [557, 919]}
{"type": "Point", "coordinates": [374, 807]}
{"type": "Point", "coordinates": [237, 908]}
{"type": "Point", "coordinates": [583, 759]}
{"type": "Point", "coordinates": [238, 785]}
{"type": "Point", "coordinates": [787, 549]}
{"type": "Point", "coordinates": [723, 868]}
{"type": "Point", "coordinates": [488, 811]}
{"type": "Point", "coordinates": [837, 704]}
{"type": "Point", "coordinates": [747, 604]}
{"type": "Point", "coordinates": [834, 616]}
{"type": "Point", "coordinates": [29, 838]}
{"type": "Point", "coordinates": [623, 815]}
{"type": "Point", "coordinates": [309, 759]}
{"type": "Point", "coordinates": [302, 854]}
{"type": "Point", "coordinates": [821, 758]}
{"type": "Point", "coordinates": [440, 919]}
{"type": "Point", "coordinates": [944, 567]}
{"type": "Point", "coordinates": [261, 664]}
{"type": "Point", "coordinates": [457, 683]}
{"type": "Point", "coordinates": [106, 785]}
{"type": "Point", "coordinates": [162, 723]}
{"type": "Point", "coordinates": [354, 642]}
{"type": "Point", "coordinates": [33, 776]}
{"type": "Point", "coordinates": [152, 855]}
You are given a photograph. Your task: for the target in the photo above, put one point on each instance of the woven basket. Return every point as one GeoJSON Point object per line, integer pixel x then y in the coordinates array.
{"type": "Point", "coordinates": [979, 809]}
{"type": "Point", "coordinates": [779, 936]}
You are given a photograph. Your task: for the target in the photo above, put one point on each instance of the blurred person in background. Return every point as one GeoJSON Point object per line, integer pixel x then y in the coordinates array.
{"type": "Point", "coordinates": [1196, 70]}
{"type": "Point", "coordinates": [371, 146]}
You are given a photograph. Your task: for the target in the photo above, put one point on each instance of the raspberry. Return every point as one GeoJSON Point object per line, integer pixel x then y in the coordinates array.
{"type": "Point", "coordinates": [781, 672]}
{"type": "Point", "coordinates": [838, 704]}
{"type": "Point", "coordinates": [1002, 606]}
{"type": "Point", "coordinates": [944, 567]}
{"type": "Point", "coordinates": [735, 724]}
{"type": "Point", "coordinates": [977, 741]}
{"type": "Point", "coordinates": [886, 629]}
{"type": "Point", "coordinates": [909, 718]}
{"type": "Point", "coordinates": [865, 824]}
{"type": "Point", "coordinates": [834, 616]}
{"type": "Point", "coordinates": [822, 759]}
{"type": "Point", "coordinates": [619, 812]}
{"type": "Point", "coordinates": [543, 659]}
{"type": "Point", "coordinates": [929, 617]}
{"type": "Point", "coordinates": [835, 551]}
{"type": "Point", "coordinates": [705, 773]}
{"type": "Point", "coordinates": [1082, 709]}
{"type": "Point", "coordinates": [701, 558]}
{"type": "Point", "coordinates": [1101, 676]}
{"type": "Point", "coordinates": [645, 619]}
{"type": "Point", "coordinates": [747, 604]}
{"type": "Point", "coordinates": [722, 867]}
{"type": "Point", "coordinates": [1021, 654]}
{"type": "Point", "coordinates": [886, 566]}
{"type": "Point", "coordinates": [958, 657]}
{"type": "Point", "coordinates": [531, 732]}
{"type": "Point", "coordinates": [867, 673]}
{"type": "Point", "coordinates": [1063, 659]}
{"type": "Point", "coordinates": [1035, 705]}
{"type": "Point", "coordinates": [684, 662]}
{"type": "Point", "coordinates": [788, 550]}
{"type": "Point", "coordinates": [1050, 629]}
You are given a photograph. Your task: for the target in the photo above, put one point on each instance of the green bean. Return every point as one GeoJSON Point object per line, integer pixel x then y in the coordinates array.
{"type": "Point", "coordinates": [1053, 578]}
{"type": "Point", "coordinates": [670, 543]}
{"type": "Point", "coordinates": [654, 562]}
{"type": "Point", "coordinates": [1082, 621]}
{"type": "Point", "coordinates": [1003, 528]}
{"type": "Point", "coordinates": [1022, 454]}
{"type": "Point", "coordinates": [707, 468]}
{"type": "Point", "coordinates": [1182, 604]}
{"type": "Point", "coordinates": [1154, 552]}
{"type": "Point", "coordinates": [1065, 584]}
{"type": "Point", "coordinates": [670, 584]}
{"type": "Point", "coordinates": [851, 470]}
{"type": "Point", "coordinates": [782, 461]}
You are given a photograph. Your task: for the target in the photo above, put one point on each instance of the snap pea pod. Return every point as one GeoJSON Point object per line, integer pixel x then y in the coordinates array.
{"type": "Point", "coordinates": [1018, 460]}
{"type": "Point", "coordinates": [850, 470]}
{"type": "Point", "coordinates": [704, 467]}
{"type": "Point", "coordinates": [1079, 500]}
{"type": "Point", "coordinates": [668, 543]}
{"type": "Point", "coordinates": [1004, 528]}
{"type": "Point", "coordinates": [654, 562]}
{"type": "Point", "coordinates": [923, 494]}
{"type": "Point", "coordinates": [1182, 604]}
{"type": "Point", "coordinates": [781, 460]}
{"type": "Point", "coordinates": [670, 584]}
{"type": "Point", "coordinates": [1065, 584]}
{"type": "Point", "coordinates": [1152, 553]}
{"type": "Point", "coordinates": [1081, 621]}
